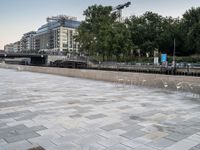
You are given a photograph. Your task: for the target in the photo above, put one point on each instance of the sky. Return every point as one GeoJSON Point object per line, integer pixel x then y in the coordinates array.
{"type": "Point", "coordinates": [20, 16]}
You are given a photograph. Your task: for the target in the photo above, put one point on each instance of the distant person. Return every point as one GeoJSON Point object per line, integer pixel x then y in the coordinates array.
{"type": "Point", "coordinates": [173, 67]}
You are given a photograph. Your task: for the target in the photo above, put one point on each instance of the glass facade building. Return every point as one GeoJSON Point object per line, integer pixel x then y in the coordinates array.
{"type": "Point", "coordinates": [57, 35]}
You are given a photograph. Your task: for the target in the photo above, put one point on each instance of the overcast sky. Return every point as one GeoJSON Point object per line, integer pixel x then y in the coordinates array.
{"type": "Point", "coordinates": [20, 16]}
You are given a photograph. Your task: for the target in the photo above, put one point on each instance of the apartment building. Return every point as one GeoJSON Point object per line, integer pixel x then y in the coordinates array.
{"type": "Point", "coordinates": [27, 42]}
{"type": "Point", "coordinates": [57, 35]}
{"type": "Point", "coordinates": [8, 47]}
{"type": "Point", "coordinates": [16, 46]}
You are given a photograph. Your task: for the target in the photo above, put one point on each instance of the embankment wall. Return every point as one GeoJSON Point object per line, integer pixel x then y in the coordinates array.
{"type": "Point", "coordinates": [184, 83]}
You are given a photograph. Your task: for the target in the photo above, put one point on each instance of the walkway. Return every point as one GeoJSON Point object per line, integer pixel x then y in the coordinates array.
{"type": "Point", "coordinates": [60, 113]}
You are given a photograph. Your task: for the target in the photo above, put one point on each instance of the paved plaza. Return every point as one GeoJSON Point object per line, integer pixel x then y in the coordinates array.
{"type": "Point", "coordinates": [61, 113]}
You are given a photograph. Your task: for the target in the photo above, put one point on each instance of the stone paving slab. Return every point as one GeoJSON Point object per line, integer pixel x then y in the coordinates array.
{"type": "Point", "coordinates": [132, 134]}
{"type": "Point", "coordinates": [113, 126]}
{"type": "Point", "coordinates": [60, 113]}
{"type": "Point", "coordinates": [183, 145]}
{"type": "Point", "coordinates": [21, 137]}
{"type": "Point", "coordinates": [119, 147]}
{"type": "Point", "coordinates": [42, 141]}
{"type": "Point", "coordinates": [161, 143]}
{"type": "Point", "coordinates": [20, 145]}
{"type": "Point", "coordinates": [197, 147]}
{"type": "Point", "coordinates": [97, 116]}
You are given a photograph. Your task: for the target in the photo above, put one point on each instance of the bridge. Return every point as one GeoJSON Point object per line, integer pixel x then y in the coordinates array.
{"type": "Point", "coordinates": [35, 59]}
{"type": "Point", "coordinates": [45, 59]}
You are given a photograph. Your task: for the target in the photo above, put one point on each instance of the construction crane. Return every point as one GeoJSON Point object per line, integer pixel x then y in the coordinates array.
{"type": "Point", "coordinates": [118, 9]}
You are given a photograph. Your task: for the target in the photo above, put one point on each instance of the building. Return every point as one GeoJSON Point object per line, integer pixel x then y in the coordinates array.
{"type": "Point", "coordinates": [16, 46]}
{"type": "Point", "coordinates": [9, 47]}
{"type": "Point", "coordinates": [57, 35]}
{"type": "Point", "coordinates": [12, 47]}
{"type": "Point", "coordinates": [27, 42]}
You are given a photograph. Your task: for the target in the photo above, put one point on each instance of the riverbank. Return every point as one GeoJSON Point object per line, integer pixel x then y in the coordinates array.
{"type": "Point", "coordinates": [183, 83]}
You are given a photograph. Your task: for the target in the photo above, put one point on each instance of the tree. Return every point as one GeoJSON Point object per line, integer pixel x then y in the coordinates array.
{"type": "Point", "coordinates": [169, 32]}
{"type": "Point", "coordinates": [193, 39]}
{"type": "Point", "coordinates": [85, 38]}
{"type": "Point", "coordinates": [145, 31]}
{"type": "Point", "coordinates": [93, 32]}
{"type": "Point", "coordinates": [190, 28]}
{"type": "Point", "coordinates": [101, 33]}
{"type": "Point", "coordinates": [137, 30]}
{"type": "Point", "coordinates": [121, 43]}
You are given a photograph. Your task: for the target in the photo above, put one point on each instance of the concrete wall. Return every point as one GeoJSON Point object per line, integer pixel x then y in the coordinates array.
{"type": "Point", "coordinates": [183, 83]}
{"type": "Point", "coordinates": [52, 58]}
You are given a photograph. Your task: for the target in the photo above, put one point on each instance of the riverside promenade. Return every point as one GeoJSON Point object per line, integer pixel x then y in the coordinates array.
{"type": "Point", "coordinates": [167, 82]}
{"type": "Point", "coordinates": [65, 113]}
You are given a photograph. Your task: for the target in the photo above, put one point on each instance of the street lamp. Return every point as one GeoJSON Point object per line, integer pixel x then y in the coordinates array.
{"type": "Point", "coordinates": [174, 58]}
{"type": "Point", "coordinates": [174, 53]}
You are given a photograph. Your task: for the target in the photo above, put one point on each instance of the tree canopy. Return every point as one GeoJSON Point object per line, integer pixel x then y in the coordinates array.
{"type": "Point", "coordinates": [101, 34]}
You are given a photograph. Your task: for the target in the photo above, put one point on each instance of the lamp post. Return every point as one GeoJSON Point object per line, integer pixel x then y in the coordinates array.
{"type": "Point", "coordinates": [174, 52]}
{"type": "Point", "coordinates": [174, 58]}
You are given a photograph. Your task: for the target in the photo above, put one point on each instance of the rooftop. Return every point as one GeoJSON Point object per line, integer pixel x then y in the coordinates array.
{"type": "Point", "coordinates": [58, 21]}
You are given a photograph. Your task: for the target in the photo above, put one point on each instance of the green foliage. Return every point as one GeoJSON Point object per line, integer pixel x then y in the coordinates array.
{"type": "Point", "coordinates": [93, 33]}
{"type": "Point", "coordinates": [191, 59]}
{"type": "Point", "coordinates": [190, 26]}
{"type": "Point", "coordinates": [101, 35]}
